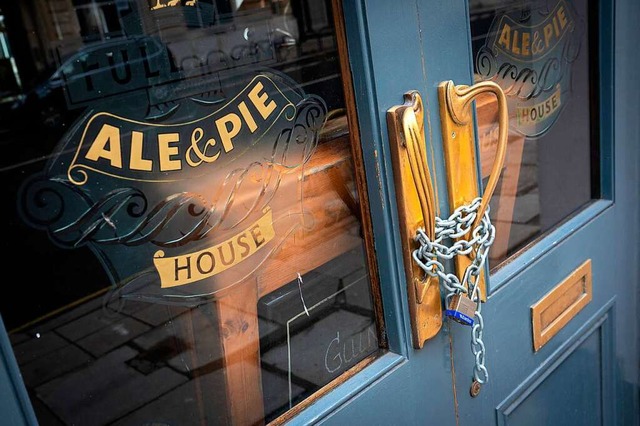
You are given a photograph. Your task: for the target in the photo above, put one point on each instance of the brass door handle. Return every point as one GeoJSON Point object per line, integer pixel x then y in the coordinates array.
{"type": "Point", "coordinates": [415, 195]}
{"type": "Point", "coordinates": [457, 101]}
{"type": "Point", "coordinates": [460, 151]}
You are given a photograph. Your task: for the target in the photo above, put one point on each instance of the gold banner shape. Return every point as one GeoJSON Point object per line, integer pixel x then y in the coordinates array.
{"type": "Point", "coordinates": [539, 112]}
{"type": "Point", "coordinates": [188, 268]}
{"type": "Point", "coordinates": [144, 151]}
{"type": "Point", "coordinates": [533, 42]}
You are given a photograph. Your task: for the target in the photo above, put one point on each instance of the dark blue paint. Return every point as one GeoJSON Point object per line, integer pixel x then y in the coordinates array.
{"type": "Point", "coordinates": [15, 407]}
{"type": "Point", "coordinates": [534, 402]}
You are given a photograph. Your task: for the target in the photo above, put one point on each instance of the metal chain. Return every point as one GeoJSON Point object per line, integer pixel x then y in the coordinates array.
{"type": "Point", "coordinates": [431, 254]}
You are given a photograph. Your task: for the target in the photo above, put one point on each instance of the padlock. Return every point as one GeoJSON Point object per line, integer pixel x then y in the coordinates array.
{"type": "Point", "coordinates": [461, 309]}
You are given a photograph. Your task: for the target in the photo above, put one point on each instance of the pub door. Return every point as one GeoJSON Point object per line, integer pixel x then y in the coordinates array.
{"type": "Point", "coordinates": [559, 330]}
{"type": "Point", "coordinates": [217, 204]}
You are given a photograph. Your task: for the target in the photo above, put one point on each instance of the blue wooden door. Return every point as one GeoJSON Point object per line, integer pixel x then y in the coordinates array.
{"type": "Point", "coordinates": [549, 361]}
{"type": "Point", "coordinates": [561, 315]}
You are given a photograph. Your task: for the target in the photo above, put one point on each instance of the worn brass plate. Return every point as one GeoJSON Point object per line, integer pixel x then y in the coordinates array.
{"type": "Point", "coordinates": [462, 173]}
{"type": "Point", "coordinates": [406, 126]}
{"type": "Point", "coordinates": [560, 305]}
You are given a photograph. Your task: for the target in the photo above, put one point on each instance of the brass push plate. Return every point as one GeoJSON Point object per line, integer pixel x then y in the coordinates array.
{"type": "Point", "coordinates": [415, 202]}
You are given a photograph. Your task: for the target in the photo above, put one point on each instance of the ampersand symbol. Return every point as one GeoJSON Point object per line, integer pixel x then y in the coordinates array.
{"type": "Point", "coordinates": [194, 149]}
{"type": "Point", "coordinates": [536, 44]}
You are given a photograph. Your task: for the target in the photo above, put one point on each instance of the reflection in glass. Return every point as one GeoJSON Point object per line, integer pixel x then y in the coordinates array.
{"type": "Point", "coordinates": [541, 54]}
{"type": "Point", "coordinates": [314, 329]}
{"type": "Point", "coordinates": [184, 194]}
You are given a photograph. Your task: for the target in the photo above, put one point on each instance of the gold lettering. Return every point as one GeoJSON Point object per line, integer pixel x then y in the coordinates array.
{"type": "Point", "coordinates": [247, 116]}
{"type": "Point", "coordinates": [180, 270]}
{"type": "Point", "coordinates": [526, 43]}
{"type": "Point", "coordinates": [166, 151]}
{"type": "Point", "coordinates": [212, 262]}
{"type": "Point", "coordinates": [124, 148]}
{"type": "Point", "coordinates": [232, 254]}
{"type": "Point", "coordinates": [539, 112]}
{"type": "Point", "coordinates": [136, 160]}
{"type": "Point", "coordinates": [227, 134]}
{"type": "Point", "coordinates": [200, 153]}
{"type": "Point", "coordinates": [242, 242]}
{"type": "Point", "coordinates": [505, 36]}
{"type": "Point", "coordinates": [536, 45]}
{"type": "Point", "coordinates": [257, 236]}
{"type": "Point", "coordinates": [515, 48]}
{"type": "Point", "coordinates": [107, 145]}
{"type": "Point", "coordinates": [562, 17]}
{"type": "Point", "coordinates": [548, 33]}
{"type": "Point", "coordinates": [555, 26]}
{"type": "Point", "coordinates": [260, 101]}
{"type": "Point", "coordinates": [186, 268]}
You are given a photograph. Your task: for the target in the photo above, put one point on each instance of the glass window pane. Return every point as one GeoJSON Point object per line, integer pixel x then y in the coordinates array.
{"type": "Point", "coordinates": [543, 55]}
{"type": "Point", "coordinates": [184, 194]}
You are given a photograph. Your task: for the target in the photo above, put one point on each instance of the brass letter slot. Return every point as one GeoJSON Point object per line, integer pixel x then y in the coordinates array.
{"type": "Point", "coordinates": [560, 305]}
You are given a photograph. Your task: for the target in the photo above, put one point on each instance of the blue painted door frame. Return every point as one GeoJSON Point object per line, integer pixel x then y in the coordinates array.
{"type": "Point", "coordinates": [402, 45]}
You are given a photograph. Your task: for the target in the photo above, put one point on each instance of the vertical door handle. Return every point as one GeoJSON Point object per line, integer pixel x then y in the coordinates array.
{"type": "Point", "coordinates": [457, 101]}
{"type": "Point", "coordinates": [459, 146]}
{"type": "Point", "coordinates": [415, 195]}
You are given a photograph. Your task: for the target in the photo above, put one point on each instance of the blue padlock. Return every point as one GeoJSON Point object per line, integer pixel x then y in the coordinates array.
{"type": "Point", "coordinates": [461, 309]}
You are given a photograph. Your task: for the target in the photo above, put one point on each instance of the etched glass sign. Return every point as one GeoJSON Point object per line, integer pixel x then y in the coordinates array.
{"type": "Point", "coordinates": [188, 204]}
{"type": "Point", "coordinates": [185, 191]}
{"type": "Point", "coordinates": [311, 341]}
{"type": "Point", "coordinates": [543, 54]}
{"type": "Point", "coordinates": [529, 52]}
